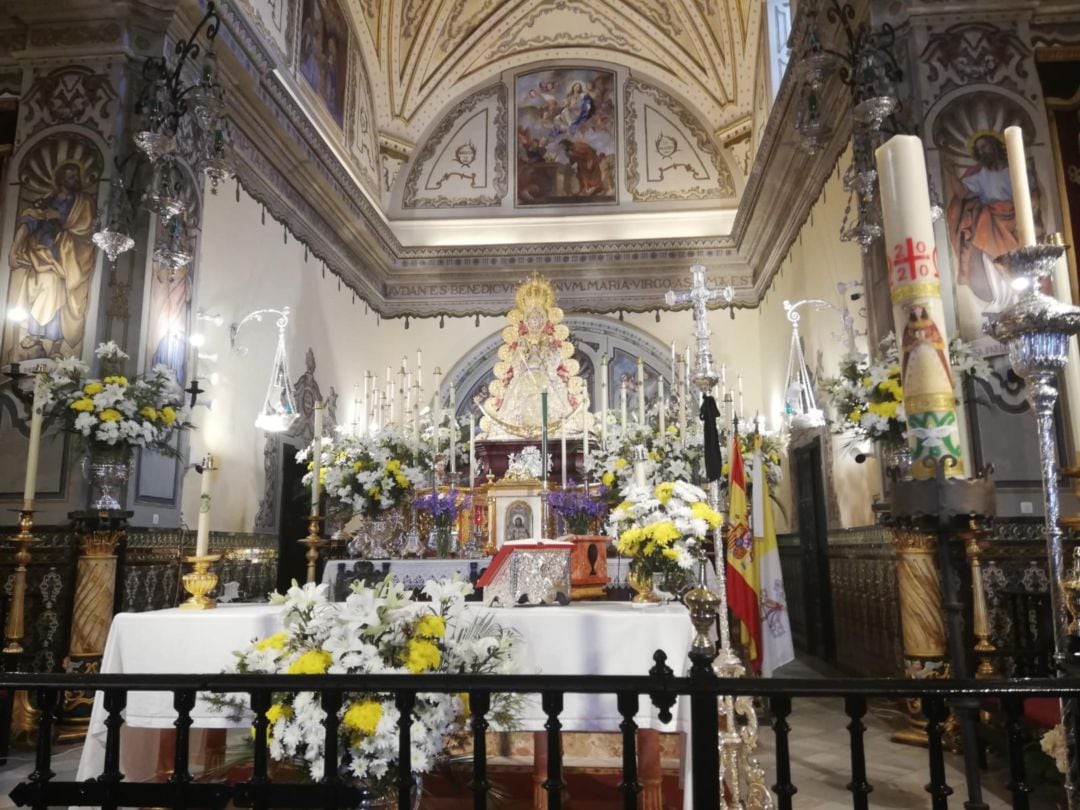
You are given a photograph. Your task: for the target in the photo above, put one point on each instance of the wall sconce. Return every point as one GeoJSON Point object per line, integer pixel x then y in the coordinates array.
{"type": "Point", "coordinates": [278, 412]}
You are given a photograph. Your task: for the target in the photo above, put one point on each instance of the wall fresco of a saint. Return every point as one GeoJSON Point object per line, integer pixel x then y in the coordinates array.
{"type": "Point", "coordinates": [52, 255]}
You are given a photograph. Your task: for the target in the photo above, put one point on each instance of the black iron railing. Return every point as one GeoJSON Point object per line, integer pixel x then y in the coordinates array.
{"type": "Point", "coordinates": [661, 688]}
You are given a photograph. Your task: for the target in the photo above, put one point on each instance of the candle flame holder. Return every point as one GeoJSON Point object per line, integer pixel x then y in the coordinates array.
{"type": "Point", "coordinates": [315, 543]}
{"type": "Point", "coordinates": [199, 582]}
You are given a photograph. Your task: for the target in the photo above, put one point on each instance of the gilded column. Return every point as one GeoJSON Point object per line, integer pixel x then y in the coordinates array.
{"type": "Point", "coordinates": [99, 534]}
{"type": "Point", "coordinates": [922, 623]}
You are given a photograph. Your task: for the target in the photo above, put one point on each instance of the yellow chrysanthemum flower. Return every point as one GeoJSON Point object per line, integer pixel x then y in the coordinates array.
{"type": "Point", "coordinates": [274, 642]}
{"type": "Point", "coordinates": [703, 511]}
{"type": "Point", "coordinates": [663, 492]}
{"type": "Point", "coordinates": [607, 479]}
{"type": "Point", "coordinates": [111, 415]}
{"type": "Point", "coordinates": [92, 388]}
{"type": "Point", "coordinates": [168, 415]}
{"type": "Point", "coordinates": [375, 493]}
{"type": "Point", "coordinates": [149, 413]}
{"type": "Point", "coordinates": [313, 662]}
{"type": "Point", "coordinates": [620, 463]}
{"type": "Point", "coordinates": [83, 405]}
{"type": "Point", "coordinates": [654, 456]}
{"type": "Point", "coordinates": [664, 533]}
{"type": "Point", "coordinates": [402, 481]}
{"type": "Point", "coordinates": [422, 655]}
{"type": "Point", "coordinates": [116, 380]}
{"type": "Point", "coordinates": [277, 712]}
{"type": "Point", "coordinates": [362, 717]}
{"type": "Point", "coordinates": [855, 415]}
{"type": "Point", "coordinates": [430, 626]}
{"type": "Point", "coordinates": [393, 465]}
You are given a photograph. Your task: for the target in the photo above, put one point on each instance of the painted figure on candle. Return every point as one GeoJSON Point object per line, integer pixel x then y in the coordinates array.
{"type": "Point", "coordinates": [52, 257]}
{"type": "Point", "coordinates": [921, 334]}
{"type": "Point", "coordinates": [980, 215]}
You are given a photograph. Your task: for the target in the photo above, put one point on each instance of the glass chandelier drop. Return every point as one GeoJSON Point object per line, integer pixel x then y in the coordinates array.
{"type": "Point", "coordinates": [866, 65]}
{"type": "Point", "coordinates": [152, 172]}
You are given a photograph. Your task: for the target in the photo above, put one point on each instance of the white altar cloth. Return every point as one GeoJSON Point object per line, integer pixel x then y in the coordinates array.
{"type": "Point", "coordinates": [603, 638]}
{"type": "Point", "coordinates": [412, 573]}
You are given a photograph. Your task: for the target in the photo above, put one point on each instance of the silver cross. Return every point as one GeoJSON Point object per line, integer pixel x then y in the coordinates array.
{"type": "Point", "coordinates": [699, 297]}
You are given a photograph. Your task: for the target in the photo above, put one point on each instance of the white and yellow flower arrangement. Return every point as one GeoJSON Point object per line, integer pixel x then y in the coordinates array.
{"type": "Point", "coordinates": [113, 411]}
{"type": "Point", "coordinates": [377, 630]}
{"type": "Point", "coordinates": [661, 530]}
{"type": "Point", "coordinates": [369, 475]}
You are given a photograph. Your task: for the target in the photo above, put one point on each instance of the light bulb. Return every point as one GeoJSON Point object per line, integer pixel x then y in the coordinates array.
{"type": "Point", "coordinates": [18, 314]}
{"type": "Point", "coordinates": [215, 378]}
{"type": "Point", "coordinates": [197, 339]}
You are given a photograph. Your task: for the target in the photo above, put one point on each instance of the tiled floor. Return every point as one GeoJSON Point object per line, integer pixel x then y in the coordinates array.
{"type": "Point", "coordinates": [820, 762]}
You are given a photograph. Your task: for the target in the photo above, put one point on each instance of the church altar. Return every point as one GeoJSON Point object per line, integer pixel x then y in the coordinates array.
{"type": "Point", "coordinates": [607, 638]}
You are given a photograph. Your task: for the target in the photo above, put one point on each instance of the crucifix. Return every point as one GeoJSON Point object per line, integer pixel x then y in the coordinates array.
{"type": "Point", "coordinates": [706, 378]}
{"type": "Point", "coordinates": [699, 297]}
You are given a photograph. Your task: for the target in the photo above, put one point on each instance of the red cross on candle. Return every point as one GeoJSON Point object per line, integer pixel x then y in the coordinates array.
{"type": "Point", "coordinates": [909, 262]}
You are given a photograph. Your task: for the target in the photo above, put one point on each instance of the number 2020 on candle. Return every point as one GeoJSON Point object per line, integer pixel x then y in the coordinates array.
{"type": "Point", "coordinates": [911, 261]}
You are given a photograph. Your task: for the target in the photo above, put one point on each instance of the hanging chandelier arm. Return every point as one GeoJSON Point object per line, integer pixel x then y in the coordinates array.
{"type": "Point", "coordinates": [190, 49]}
{"type": "Point", "coordinates": [257, 315]}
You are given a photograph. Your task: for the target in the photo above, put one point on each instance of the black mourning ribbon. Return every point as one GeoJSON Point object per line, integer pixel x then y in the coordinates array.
{"type": "Point", "coordinates": [709, 413]}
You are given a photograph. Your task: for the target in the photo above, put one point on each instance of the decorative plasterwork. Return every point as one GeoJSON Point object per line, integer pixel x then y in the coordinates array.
{"type": "Point", "coordinates": [426, 54]}
{"type": "Point", "coordinates": [668, 154]}
{"type": "Point", "coordinates": [463, 162]}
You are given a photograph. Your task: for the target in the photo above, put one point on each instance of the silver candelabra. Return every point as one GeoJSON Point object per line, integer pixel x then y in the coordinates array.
{"type": "Point", "coordinates": [1036, 330]}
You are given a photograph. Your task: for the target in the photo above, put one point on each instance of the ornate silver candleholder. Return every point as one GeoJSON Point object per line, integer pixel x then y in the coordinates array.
{"type": "Point", "coordinates": [1036, 331]}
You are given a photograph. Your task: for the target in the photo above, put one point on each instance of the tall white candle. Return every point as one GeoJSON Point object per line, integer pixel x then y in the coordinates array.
{"type": "Point", "coordinates": [585, 440]}
{"type": "Point", "coordinates": [641, 391]}
{"type": "Point", "coordinates": [686, 362]}
{"type": "Point", "coordinates": [316, 459]}
{"type": "Point", "coordinates": [453, 399]}
{"type": "Point", "coordinates": [915, 291]}
{"type": "Point", "coordinates": [673, 362]}
{"type": "Point", "coordinates": [202, 535]}
{"type": "Point", "coordinates": [406, 417]}
{"type": "Point", "coordinates": [367, 409]}
{"type": "Point", "coordinates": [33, 449]}
{"type": "Point", "coordinates": [436, 414]}
{"type": "Point", "coordinates": [682, 404]}
{"type": "Point", "coordinates": [622, 404]}
{"type": "Point", "coordinates": [604, 404]}
{"type": "Point", "coordinates": [389, 396]}
{"type": "Point", "coordinates": [472, 451]}
{"type": "Point", "coordinates": [723, 382]}
{"type": "Point", "coordinates": [416, 410]}
{"type": "Point", "coordinates": [661, 405]}
{"type": "Point", "coordinates": [1018, 175]}
{"type": "Point", "coordinates": [740, 397]}
{"type": "Point", "coordinates": [419, 372]}
{"type": "Point", "coordinates": [562, 450]}
{"type": "Point", "coordinates": [453, 432]}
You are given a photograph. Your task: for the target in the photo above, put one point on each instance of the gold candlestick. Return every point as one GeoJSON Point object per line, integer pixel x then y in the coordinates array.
{"type": "Point", "coordinates": [200, 582]}
{"type": "Point", "coordinates": [980, 626]}
{"type": "Point", "coordinates": [15, 628]}
{"type": "Point", "coordinates": [490, 549]}
{"type": "Point", "coordinates": [314, 544]}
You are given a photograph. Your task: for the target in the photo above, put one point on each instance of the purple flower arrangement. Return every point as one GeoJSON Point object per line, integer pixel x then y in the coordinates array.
{"type": "Point", "coordinates": [578, 509]}
{"type": "Point", "coordinates": [443, 508]}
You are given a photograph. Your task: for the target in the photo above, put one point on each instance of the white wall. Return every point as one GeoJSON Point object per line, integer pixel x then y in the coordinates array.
{"type": "Point", "coordinates": [245, 265]}
{"type": "Point", "coordinates": [817, 261]}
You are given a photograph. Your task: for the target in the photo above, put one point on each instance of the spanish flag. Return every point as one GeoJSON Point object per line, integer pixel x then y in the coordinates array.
{"type": "Point", "coordinates": [742, 570]}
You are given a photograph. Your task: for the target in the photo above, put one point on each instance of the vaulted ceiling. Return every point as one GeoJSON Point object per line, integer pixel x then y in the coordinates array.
{"type": "Point", "coordinates": [421, 54]}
